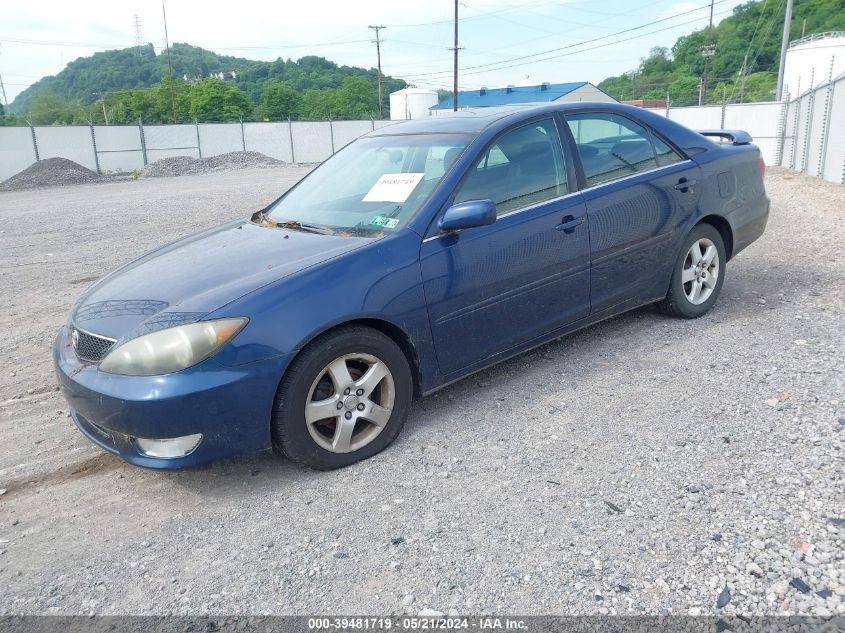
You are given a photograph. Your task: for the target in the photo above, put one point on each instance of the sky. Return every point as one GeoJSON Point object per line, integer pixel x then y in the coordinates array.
{"type": "Point", "coordinates": [502, 41]}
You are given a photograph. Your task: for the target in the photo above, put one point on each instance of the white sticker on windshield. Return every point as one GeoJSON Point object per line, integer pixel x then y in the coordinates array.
{"type": "Point", "coordinates": [393, 188]}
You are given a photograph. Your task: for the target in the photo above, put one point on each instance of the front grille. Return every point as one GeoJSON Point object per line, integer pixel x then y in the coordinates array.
{"type": "Point", "coordinates": [90, 346]}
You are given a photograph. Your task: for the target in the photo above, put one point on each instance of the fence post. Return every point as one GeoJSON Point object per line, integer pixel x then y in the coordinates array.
{"type": "Point", "coordinates": [331, 133]}
{"type": "Point", "coordinates": [811, 106]}
{"type": "Point", "coordinates": [783, 117]}
{"type": "Point", "coordinates": [828, 100]}
{"type": "Point", "coordinates": [94, 145]}
{"type": "Point", "coordinates": [143, 141]}
{"type": "Point", "coordinates": [667, 104]}
{"type": "Point", "coordinates": [197, 129]}
{"type": "Point", "coordinates": [34, 142]}
{"type": "Point", "coordinates": [290, 134]}
{"type": "Point", "coordinates": [243, 140]}
{"type": "Point", "coordinates": [724, 108]}
{"type": "Point", "coordinates": [372, 122]}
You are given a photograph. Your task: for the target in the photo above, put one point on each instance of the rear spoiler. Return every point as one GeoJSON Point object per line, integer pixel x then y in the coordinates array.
{"type": "Point", "coordinates": [736, 137]}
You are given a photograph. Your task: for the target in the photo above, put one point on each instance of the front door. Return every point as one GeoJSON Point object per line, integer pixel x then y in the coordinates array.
{"type": "Point", "coordinates": [492, 288]}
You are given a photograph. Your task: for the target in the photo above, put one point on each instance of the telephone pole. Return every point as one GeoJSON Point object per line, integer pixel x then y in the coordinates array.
{"type": "Point", "coordinates": [455, 84]}
{"type": "Point", "coordinates": [708, 52]}
{"type": "Point", "coordinates": [743, 73]}
{"type": "Point", "coordinates": [169, 64]}
{"type": "Point", "coordinates": [5, 101]}
{"type": "Point", "coordinates": [784, 44]}
{"type": "Point", "coordinates": [378, 58]}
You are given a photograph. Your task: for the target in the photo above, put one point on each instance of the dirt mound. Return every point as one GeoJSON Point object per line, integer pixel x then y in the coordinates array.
{"type": "Point", "coordinates": [50, 172]}
{"type": "Point", "coordinates": [184, 165]}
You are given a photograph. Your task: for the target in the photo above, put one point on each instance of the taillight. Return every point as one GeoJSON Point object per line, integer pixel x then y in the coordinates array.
{"type": "Point", "coordinates": [762, 164]}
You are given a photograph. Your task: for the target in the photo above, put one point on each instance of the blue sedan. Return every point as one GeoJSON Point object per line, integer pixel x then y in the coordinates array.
{"type": "Point", "coordinates": [420, 253]}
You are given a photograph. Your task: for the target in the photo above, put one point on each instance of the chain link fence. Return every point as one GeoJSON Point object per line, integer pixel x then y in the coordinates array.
{"type": "Point", "coordinates": [806, 134]}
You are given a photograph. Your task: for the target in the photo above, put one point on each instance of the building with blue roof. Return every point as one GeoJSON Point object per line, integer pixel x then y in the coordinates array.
{"type": "Point", "coordinates": [516, 95]}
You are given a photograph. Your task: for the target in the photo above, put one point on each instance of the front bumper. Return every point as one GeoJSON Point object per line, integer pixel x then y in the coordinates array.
{"type": "Point", "coordinates": [230, 406]}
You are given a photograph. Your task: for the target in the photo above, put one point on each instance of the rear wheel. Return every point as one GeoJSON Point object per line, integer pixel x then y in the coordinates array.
{"type": "Point", "coordinates": [344, 398]}
{"type": "Point", "coordinates": [698, 276]}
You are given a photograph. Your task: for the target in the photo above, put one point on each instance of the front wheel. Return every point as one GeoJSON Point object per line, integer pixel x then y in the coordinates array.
{"type": "Point", "coordinates": [344, 398]}
{"type": "Point", "coordinates": [698, 276]}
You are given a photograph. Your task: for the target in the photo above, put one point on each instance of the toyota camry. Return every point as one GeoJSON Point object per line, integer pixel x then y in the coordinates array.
{"type": "Point", "coordinates": [418, 254]}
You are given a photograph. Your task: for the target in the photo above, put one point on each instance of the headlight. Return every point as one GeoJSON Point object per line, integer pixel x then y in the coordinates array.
{"type": "Point", "coordinates": [171, 349]}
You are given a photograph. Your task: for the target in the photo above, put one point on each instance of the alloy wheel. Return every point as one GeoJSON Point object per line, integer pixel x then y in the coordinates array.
{"type": "Point", "coordinates": [350, 402]}
{"type": "Point", "coordinates": [700, 273]}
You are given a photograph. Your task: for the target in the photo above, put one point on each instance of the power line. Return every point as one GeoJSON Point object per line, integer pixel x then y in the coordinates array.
{"type": "Point", "coordinates": [566, 54]}
{"type": "Point", "coordinates": [589, 41]}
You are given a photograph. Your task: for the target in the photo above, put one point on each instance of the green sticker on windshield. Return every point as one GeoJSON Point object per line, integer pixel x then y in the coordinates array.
{"type": "Point", "coordinates": [388, 223]}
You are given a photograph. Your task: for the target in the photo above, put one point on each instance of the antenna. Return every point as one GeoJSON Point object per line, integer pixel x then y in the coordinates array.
{"type": "Point", "coordinates": [139, 40]}
{"type": "Point", "coordinates": [378, 58]}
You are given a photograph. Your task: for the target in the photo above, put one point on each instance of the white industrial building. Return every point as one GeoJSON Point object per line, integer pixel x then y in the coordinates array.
{"type": "Point", "coordinates": [811, 61]}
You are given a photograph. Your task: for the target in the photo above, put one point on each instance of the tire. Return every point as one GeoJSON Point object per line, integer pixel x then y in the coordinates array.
{"type": "Point", "coordinates": [325, 418]}
{"type": "Point", "coordinates": [681, 299]}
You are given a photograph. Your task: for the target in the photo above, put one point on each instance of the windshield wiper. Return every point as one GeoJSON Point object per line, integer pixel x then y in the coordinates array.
{"type": "Point", "coordinates": [262, 219]}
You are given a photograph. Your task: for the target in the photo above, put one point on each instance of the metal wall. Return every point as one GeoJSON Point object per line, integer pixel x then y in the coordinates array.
{"type": "Point", "coordinates": [806, 134]}
{"type": "Point", "coordinates": [123, 148]}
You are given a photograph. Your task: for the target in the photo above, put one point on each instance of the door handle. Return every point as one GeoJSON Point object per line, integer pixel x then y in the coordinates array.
{"type": "Point", "coordinates": [685, 184]}
{"type": "Point", "coordinates": [569, 222]}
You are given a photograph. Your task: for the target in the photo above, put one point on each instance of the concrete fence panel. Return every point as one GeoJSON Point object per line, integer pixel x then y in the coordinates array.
{"type": "Point", "coordinates": [834, 150]}
{"type": "Point", "coordinates": [220, 138]}
{"type": "Point", "coordinates": [347, 131]}
{"type": "Point", "coordinates": [119, 147]}
{"type": "Point", "coordinates": [762, 121]}
{"type": "Point", "coordinates": [698, 118]}
{"type": "Point", "coordinates": [271, 139]}
{"type": "Point", "coordinates": [16, 150]}
{"type": "Point", "coordinates": [164, 141]}
{"type": "Point", "coordinates": [72, 142]}
{"type": "Point", "coordinates": [312, 141]}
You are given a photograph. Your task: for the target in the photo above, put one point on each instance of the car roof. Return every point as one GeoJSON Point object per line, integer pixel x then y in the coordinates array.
{"type": "Point", "coordinates": [475, 120]}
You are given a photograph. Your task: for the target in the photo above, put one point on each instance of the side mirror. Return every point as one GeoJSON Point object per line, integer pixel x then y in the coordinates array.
{"type": "Point", "coordinates": [469, 214]}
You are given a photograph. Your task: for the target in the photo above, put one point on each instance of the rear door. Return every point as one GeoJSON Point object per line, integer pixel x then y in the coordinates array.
{"type": "Point", "coordinates": [494, 287]}
{"type": "Point", "coordinates": [639, 193]}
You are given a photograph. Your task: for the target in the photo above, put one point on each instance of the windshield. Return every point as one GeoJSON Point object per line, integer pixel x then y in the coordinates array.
{"type": "Point", "coordinates": [371, 187]}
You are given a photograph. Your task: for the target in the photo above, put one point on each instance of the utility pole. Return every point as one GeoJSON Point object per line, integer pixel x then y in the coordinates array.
{"type": "Point", "coordinates": [5, 101]}
{"type": "Point", "coordinates": [784, 45]}
{"type": "Point", "coordinates": [102, 96]}
{"type": "Point", "coordinates": [708, 52]}
{"type": "Point", "coordinates": [378, 58]}
{"type": "Point", "coordinates": [743, 73]}
{"type": "Point", "coordinates": [169, 64]}
{"type": "Point", "coordinates": [455, 83]}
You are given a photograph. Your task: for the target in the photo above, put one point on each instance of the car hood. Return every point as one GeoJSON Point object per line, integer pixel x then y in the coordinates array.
{"type": "Point", "coordinates": [183, 281]}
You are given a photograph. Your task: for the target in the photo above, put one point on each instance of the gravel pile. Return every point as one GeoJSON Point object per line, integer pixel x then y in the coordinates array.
{"type": "Point", "coordinates": [185, 165]}
{"type": "Point", "coordinates": [50, 172]}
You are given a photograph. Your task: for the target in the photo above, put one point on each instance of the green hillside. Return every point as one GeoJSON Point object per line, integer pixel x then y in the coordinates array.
{"type": "Point", "coordinates": [754, 30]}
{"type": "Point", "coordinates": [133, 83]}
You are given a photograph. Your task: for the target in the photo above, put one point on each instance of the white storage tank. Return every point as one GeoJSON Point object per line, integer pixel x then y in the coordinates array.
{"type": "Point", "coordinates": [810, 61]}
{"type": "Point", "coordinates": [411, 103]}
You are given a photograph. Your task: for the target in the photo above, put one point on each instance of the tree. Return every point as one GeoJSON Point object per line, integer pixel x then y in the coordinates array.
{"type": "Point", "coordinates": [279, 101]}
{"type": "Point", "coordinates": [217, 100]}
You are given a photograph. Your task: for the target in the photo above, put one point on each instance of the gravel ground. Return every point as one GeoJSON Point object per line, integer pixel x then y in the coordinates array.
{"type": "Point", "coordinates": [645, 465]}
{"type": "Point", "coordinates": [187, 165]}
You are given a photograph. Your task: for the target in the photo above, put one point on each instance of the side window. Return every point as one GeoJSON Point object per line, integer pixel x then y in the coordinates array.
{"type": "Point", "coordinates": [665, 154]}
{"type": "Point", "coordinates": [610, 146]}
{"type": "Point", "coordinates": [523, 167]}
